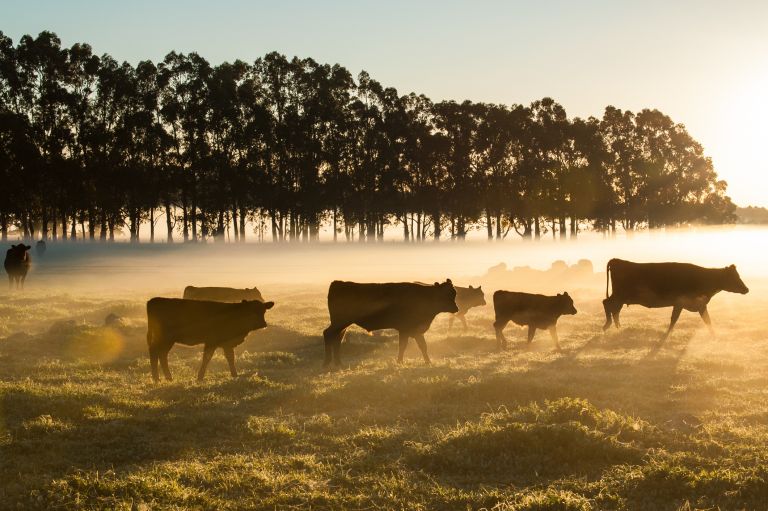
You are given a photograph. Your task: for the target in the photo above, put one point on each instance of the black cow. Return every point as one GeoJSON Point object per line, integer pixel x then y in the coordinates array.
{"type": "Point", "coordinates": [222, 294]}
{"type": "Point", "coordinates": [407, 307]}
{"type": "Point", "coordinates": [17, 263]}
{"type": "Point", "coordinates": [40, 248]}
{"type": "Point", "coordinates": [531, 310]}
{"type": "Point", "coordinates": [466, 298]}
{"type": "Point", "coordinates": [191, 322]}
{"type": "Point", "coordinates": [677, 285]}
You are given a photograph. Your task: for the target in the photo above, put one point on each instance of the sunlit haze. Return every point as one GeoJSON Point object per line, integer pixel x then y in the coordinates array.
{"type": "Point", "coordinates": [701, 62]}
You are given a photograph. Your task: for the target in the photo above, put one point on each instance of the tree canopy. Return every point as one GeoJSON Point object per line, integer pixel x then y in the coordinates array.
{"type": "Point", "coordinates": [284, 148]}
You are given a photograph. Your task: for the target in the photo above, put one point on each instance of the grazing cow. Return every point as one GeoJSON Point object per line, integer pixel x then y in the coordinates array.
{"type": "Point", "coordinates": [466, 298]}
{"type": "Point", "coordinates": [17, 263]}
{"type": "Point", "coordinates": [407, 307]}
{"type": "Point", "coordinates": [677, 285]}
{"type": "Point", "coordinates": [222, 294]}
{"type": "Point", "coordinates": [191, 322]}
{"type": "Point", "coordinates": [533, 311]}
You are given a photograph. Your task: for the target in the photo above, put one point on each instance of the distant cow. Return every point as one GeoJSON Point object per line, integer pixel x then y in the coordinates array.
{"type": "Point", "coordinates": [17, 263]}
{"type": "Point", "coordinates": [533, 311]}
{"type": "Point", "coordinates": [466, 298]}
{"type": "Point", "coordinates": [40, 248]}
{"type": "Point", "coordinates": [407, 307]}
{"type": "Point", "coordinates": [222, 294]}
{"type": "Point", "coordinates": [677, 285]}
{"type": "Point", "coordinates": [191, 322]}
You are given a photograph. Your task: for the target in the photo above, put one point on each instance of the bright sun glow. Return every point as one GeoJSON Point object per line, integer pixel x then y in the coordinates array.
{"type": "Point", "coordinates": [744, 132]}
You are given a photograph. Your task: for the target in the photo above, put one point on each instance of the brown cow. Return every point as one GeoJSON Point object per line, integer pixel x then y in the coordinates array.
{"type": "Point", "coordinates": [466, 298]}
{"type": "Point", "coordinates": [407, 307]}
{"type": "Point", "coordinates": [17, 263]}
{"type": "Point", "coordinates": [191, 322]}
{"type": "Point", "coordinates": [222, 294]}
{"type": "Point", "coordinates": [677, 285]}
{"type": "Point", "coordinates": [533, 311]}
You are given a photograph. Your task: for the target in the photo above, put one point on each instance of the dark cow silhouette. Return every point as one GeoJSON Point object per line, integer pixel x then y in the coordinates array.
{"type": "Point", "coordinates": [17, 263]}
{"type": "Point", "coordinates": [407, 307]}
{"type": "Point", "coordinates": [222, 294]}
{"type": "Point", "coordinates": [531, 310]}
{"type": "Point", "coordinates": [677, 285]}
{"type": "Point", "coordinates": [40, 248]}
{"type": "Point", "coordinates": [466, 298]}
{"type": "Point", "coordinates": [191, 322]}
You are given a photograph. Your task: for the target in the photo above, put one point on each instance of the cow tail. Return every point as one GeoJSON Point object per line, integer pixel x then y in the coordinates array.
{"type": "Point", "coordinates": [607, 277]}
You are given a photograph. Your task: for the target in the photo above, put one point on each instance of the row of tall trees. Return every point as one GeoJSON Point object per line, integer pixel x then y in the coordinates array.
{"type": "Point", "coordinates": [90, 147]}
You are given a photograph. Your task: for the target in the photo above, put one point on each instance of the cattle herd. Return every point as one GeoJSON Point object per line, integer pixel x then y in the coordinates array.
{"type": "Point", "coordinates": [220, 317]}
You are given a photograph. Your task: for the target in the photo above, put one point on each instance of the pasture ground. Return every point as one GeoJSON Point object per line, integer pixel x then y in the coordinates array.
{"type": "Point", "coordinates": [608, 423]}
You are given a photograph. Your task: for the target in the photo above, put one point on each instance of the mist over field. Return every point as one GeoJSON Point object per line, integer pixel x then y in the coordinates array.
{"type": "Point", "coordinates": [613, 421]}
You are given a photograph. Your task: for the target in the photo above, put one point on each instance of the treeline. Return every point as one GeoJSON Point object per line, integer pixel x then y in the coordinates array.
{"type": "Point", "coordinates": [90, 146]}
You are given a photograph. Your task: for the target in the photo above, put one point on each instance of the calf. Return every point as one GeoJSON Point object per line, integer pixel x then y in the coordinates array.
{"type": "Point", "coordinates": [406, 307]}
{"type": "Point", "coordinates": [533, 311]}
{"type": "Point", "coordinates": [17, 263]}
{"type": "Point", "coordinates": [677, 285]}
{"type": "Point", "coordinates": [222, 294]}
{"type": "Point", "coordinates": [466, 298]}
{"type": "Point", "coordinates": [190, 322]}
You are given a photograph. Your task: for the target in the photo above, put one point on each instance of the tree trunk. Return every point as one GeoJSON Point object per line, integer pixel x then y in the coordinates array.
{"type": "Point", "coordinates": [438, 228]}
{"type": "Point", "coordinates": [168, 223]}
{"type": "Point", "coordinates": [498, 226]}
{"type": "Point", "coordinates": [3, 227]}
{"type": "Point", "coordinates": [103, 226]}
{"type": "Point", "coordinates": [44, 223]}
{"type": "Point", "coordinates": [489, 224]}
{"type": "Point", "coordinates": [574, 228]}
{"type": "Point", "coordinates": [242, 224]}
{"type": "Point", "coordinates": [91, 224]}
{"type": "Point", "coordinates": [537, 228]}
{"type": "Point", "coordinates": [151, 225]}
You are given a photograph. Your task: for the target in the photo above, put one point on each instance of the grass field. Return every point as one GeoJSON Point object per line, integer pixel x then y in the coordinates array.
{"type": "Point", "coordinates": [608, 423]}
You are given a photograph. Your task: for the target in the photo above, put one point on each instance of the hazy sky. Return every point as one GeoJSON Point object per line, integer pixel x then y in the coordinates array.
{"type": "Point", "coordinates": [705, 63]}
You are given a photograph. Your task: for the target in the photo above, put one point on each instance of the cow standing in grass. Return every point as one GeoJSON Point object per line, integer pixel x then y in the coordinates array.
{"type": "Point", "coordinates": [533, 311]}
{"type": "Point", "coordinates": [190, 322]}
{"type": "Point", "coordinates": [677, 285]}
{"type": "Point", "coordinates": [17, 263]}
{"type": "Point", "coordinates": [466, 298]}
{"type": "Point", "coordinates": [407, 307]}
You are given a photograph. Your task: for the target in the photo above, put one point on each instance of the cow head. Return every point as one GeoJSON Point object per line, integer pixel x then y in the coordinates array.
{"type": "Point", "coordinates": [475, 296]}
{"type": "Point", "coordinates": [732, 282]}
{"type": "Point", "coordinates": [18, 252]}
{"type": "Point", "coordinates": [566, 304]}
{"type": "Point", "coordinates": [445, 297]}
{"type": "Point", "coordinates": [258, 308]}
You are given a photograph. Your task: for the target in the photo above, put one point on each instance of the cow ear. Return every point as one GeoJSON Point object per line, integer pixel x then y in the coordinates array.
{"type": "Point", "coordinates": [448, 281]}
{"type": "Point", "coordinates": [733, 267]}
{"type": "Point", "coordinates": [470, 287]}
{"type": "Point", "coordinates": [480, 288]}
{"type": "Point", "coordinates": [565, 293]}
{"type": "Point", "coordinates": [28, 246]}
{"type": "Point", "coordinates": [269, 305]}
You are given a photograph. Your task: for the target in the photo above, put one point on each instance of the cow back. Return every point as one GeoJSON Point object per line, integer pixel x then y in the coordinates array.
{"type": "Point", "coordinates": [222, 294]}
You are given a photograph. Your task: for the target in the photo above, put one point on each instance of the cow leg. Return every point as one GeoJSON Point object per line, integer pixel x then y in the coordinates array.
{"type": "Point", "coordinates": [403, 344]}
{"type": "Point", "coordinates": [332, 338]}
{"type": "Point", "coordinates": [553, 333]}
{"type": "Point", "coordinates": [153, 360]}
{"type": "Point", "coordinates": [164, 363]}
{"type": "Point", "coordinates": [612, 310]}
{"type": "Point", "coordinates": [422, 343]}
{"type": "Point", "coordinates": [207, 355]}
{"type": "Point", "coordinates": [707, 321]}
{"type": "Point", "coordinates": [450, 322]}
{"type": "Point", "coordinates": [10, 281]}
{"type": "Point", "coordinates": [463, 318]}
{"type": "Point", "coordinates": [21, 281]}
{"type": "Point", "coordinates": [501, 341]}
{"type": "Point", "coordinates": [676, 310]}
{"type": "Point", "coordinates": [531, 333]}
{"type": "Point", "coordinates": [229, 353]}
